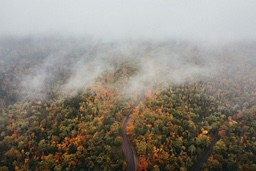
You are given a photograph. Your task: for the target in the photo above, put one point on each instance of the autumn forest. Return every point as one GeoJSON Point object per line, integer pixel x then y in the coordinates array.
{"type": "Point", "coordinates": [69, 104]}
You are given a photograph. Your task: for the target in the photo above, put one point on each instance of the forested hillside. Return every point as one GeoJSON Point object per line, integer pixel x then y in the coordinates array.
{"type": "Point", "coordinates": [59, 116]}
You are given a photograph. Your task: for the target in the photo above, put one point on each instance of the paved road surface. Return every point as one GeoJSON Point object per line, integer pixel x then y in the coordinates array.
{"type": "Point", "coordinates": [127, 146]}
{"type": "Point", "coordinates": [126, 143]}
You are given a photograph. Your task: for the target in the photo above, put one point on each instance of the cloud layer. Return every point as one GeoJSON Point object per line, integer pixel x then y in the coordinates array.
{"type": "Point", "coordinates": [216, 21]}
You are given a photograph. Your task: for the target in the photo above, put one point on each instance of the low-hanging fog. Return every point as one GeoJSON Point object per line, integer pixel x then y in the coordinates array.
{"type": "Point", "coordinates": [74, 43]}
{"type": "Point", "coordinates": [36, 66]}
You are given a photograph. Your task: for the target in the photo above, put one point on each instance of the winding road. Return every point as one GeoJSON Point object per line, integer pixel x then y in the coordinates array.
{"type": "Point", "coordinates": [127, 146]}
{"type": "Point", "coordinates": [126, 143]}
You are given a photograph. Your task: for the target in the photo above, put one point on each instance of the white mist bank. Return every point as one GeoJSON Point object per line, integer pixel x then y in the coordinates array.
{"type": "Point", "coordinates": [68, 66]}
{"type": "Point", "coordinates": [73, 65]}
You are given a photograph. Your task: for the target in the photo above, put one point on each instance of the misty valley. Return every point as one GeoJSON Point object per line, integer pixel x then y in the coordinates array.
{"type": "Point", "coordinates": [82, 104]}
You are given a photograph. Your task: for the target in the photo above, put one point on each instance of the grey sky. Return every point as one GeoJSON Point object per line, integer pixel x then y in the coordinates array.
{"type": "Point", "coordinates": [211, 20]}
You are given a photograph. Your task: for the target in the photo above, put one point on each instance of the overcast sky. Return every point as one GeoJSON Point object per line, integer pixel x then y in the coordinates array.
{"type": "Point", "coordinates": [213, 20]}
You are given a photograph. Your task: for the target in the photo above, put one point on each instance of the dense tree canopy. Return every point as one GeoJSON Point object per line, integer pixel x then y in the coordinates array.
{"type": "Point", "coordinates": [207, 123]}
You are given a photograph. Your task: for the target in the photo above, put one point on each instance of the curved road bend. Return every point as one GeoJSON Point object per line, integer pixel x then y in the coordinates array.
{"type": "Point", "coordinates": [205, 154]}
